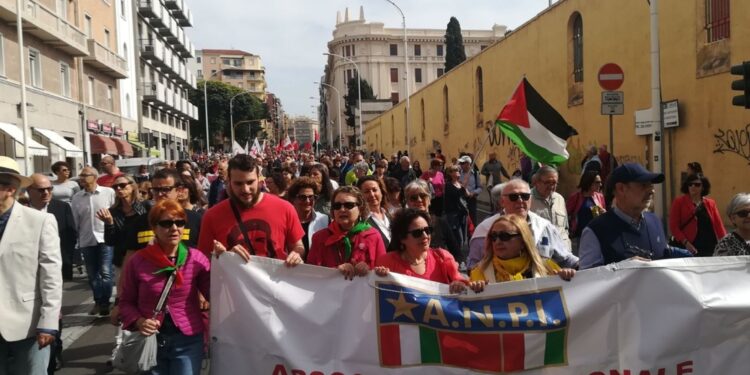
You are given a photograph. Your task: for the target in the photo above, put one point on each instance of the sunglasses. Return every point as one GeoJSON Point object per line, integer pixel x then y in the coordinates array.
{"type": "Point", "coordinates": [166, 224]}
{"type": "Point", "coordinates": [418, 197]}
{"type": "Point", "coordinates": [42, 190]}
{"type": "Point", "coordinates": [162, 190]}
{"type": "Point", "coordinates": [502, 236]}
{"type": "Point", "coordinates": [743, 214]}
{"type": "Point", "coordinates": [418, 233]}
{"type": "Point", "coordinates": [348, 205]}
{"type": "Point", "coordinates": [696, 184]}
{"type": "Point", "coordinates": [516, 196]}
{"type": "Point", "coordinates": [120, 186]}
{"type": "Point", "coordinates": [304, 198]}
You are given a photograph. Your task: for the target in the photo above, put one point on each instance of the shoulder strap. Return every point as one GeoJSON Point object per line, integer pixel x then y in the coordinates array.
{"type": "Point", "coordinates": [243, 229]}
{"type": "Point", "coordinates": [164, 294]}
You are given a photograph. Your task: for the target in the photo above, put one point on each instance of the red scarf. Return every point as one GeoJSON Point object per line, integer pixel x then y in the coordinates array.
{"type": "Point", "coordinates": [155, 255]}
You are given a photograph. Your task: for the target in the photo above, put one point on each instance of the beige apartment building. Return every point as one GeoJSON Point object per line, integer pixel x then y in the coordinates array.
{"type": "Point", "coordinates": [235, 67]}
{"type": "Point", "coordinates": [379, 52]}
{"type": "Point", "coordinates": [71, 76]}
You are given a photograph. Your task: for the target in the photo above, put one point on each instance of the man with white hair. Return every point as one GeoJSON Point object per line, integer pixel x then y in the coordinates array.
{"type": "Point", "coordinates": [548, 203]}
{"type": "Point", "coordinates": [404, 173]}
{"type": "Point", "coordinates": [514, 197]}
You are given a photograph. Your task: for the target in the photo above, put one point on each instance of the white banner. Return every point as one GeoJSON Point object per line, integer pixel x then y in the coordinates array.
{"type": "Point", "coordinates": [672, 317]}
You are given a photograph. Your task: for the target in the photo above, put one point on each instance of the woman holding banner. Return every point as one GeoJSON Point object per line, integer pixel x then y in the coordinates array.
{"type": "Point", "coordinates": [350, 243]}
{"type": "Point", "coordinates": [510, 254]}
{"type": "Point", "coordinates": [410, 253]}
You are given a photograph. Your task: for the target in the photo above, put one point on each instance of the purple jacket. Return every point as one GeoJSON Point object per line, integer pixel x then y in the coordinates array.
{"type": "Point", "coordinates": [141, 290]}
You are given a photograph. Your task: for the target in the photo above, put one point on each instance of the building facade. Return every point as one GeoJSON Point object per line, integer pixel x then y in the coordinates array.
{"type": "Point", "coordinates": [379, 54]}
{"type": "Point", "coordinates": [164, 79]}
{"type": "Point", "coordinates": [274, 125]}
{"type": "Point", "coordinates": [303, 130]}
{"type": "Point", "coordinates": [237, 68]}
{"type": "Point", "coordinates": [560, 52]}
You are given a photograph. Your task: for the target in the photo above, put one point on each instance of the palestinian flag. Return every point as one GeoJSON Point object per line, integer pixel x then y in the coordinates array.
{"type": "Point", "coordinates": [534, 126]}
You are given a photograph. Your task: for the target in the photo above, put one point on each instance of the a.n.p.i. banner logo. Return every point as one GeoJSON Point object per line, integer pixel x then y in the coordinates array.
{"type": "Point", "coordinates": [497, 334]}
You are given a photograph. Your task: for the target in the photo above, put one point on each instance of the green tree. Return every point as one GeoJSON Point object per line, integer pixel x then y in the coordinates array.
{"type": "Point", "coordinates": [351, 98]}
{"type": "Point", "coordinates": [249, 111]}
{"type": "Point", "coordinates": [454, 44]}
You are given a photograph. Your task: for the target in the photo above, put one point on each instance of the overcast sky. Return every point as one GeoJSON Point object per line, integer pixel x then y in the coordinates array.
{"type": "Point", "coordinates": [291, 35]}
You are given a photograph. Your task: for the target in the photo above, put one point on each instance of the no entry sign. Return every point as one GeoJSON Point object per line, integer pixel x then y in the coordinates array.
{"type": "Point", "coordinates": [611, 77]}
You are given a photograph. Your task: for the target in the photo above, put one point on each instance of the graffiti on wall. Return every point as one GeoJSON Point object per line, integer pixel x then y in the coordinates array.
{"type": "Point", "coordinates": [734, 141]}
{"type": "Point", "coordinates": [497, 138]}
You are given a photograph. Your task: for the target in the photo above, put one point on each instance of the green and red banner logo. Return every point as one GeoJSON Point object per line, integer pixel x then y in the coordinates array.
{"type": "Point", "coordinates": [499, 334]}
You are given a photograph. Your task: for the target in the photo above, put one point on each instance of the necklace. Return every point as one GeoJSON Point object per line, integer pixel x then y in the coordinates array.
{"type": "Point", "coordinates": [415, 262]}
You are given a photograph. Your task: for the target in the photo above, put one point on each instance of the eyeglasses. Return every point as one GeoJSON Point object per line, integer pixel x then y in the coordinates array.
{"type": "Point", "coordinates": [303, 198]}
{"type": "Point", "coordinates": [162, 190]}
{"type": "Point", "coordinates": [42, 190]}
{"type": "Point", "coordinates": [166, 224]}
{"type": "Point", "coordinates": [502, 236]}
{"type": "Point", "coordinates": [347, 205]}
{"type": "Point", "coordinates": [696, 184]}
{"type": "Point", "coordinates": [743, 213]}
{"type": "Point", "coordinates": [418, 197]}
{"type": "Point", "coordinates": [418, 233]}
{"type": "Point", "coordinates": [516, 196]}
{"type": "Point", "coordinates": [120, 186]}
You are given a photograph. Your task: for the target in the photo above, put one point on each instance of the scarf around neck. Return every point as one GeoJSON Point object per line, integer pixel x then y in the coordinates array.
{"type": "Point", "coordinates": [337, 235]}
{"type": "Point", "coordinates": [511, 269]}
{"type": "Point", "coordinates": [156, 256]}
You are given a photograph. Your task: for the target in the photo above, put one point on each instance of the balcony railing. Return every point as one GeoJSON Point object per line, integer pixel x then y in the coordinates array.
{"type": "Point", "coordinates": [150, 8]}
{"type": "Point", "coordinates": [154, 92]}
{"type": "Point", "coordinates": [184, 17]}
{"type": "Point", "coordinates": [106, 60]}
{"type": "Point", "coordinates": [46, 25]}
{"type": "Point", "coordinates": [153, 51]}
{"type": "Point", "coordinates": [174, 4]}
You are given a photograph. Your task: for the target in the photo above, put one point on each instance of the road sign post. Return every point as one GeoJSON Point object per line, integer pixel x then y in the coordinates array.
{"type": "Point", "coordinates": [611, 78]}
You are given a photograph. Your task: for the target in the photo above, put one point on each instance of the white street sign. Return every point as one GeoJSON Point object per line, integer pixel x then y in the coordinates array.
{"type": "Point", "coordinates": [646, 121]}
{"type": "Point", "coordinates": [613, 97]}
{"type": "Point", "coordinates": [671, 114]}
{"type": "Point", "coordinates": [613, 108]}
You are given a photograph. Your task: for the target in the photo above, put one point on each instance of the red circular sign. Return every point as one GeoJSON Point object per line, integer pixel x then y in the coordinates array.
{"type": "Point", "coordinates": [611, 77]}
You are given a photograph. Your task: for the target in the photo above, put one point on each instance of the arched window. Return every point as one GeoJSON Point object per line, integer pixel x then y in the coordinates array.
{"type": "Point", "coordinates": [424, 122]}
{"type": "Point", "coordinates": [393, 132]}
{"type": "Point", "coordinates": [446, 113]}
{"type": "Point", "coordinates": [480, 90]}
{"type": "Point", "coordinates": [406, 131]}
{"type": "Point", "coordinates": [577, 48]}
{"type": "Point", "coordinates": [125, 51]}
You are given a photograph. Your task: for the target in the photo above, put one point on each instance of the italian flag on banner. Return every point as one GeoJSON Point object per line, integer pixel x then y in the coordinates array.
{"type": "Point", "coordinates": [534, 126]}
{"type": "Point", "coordinates": [413, 345]}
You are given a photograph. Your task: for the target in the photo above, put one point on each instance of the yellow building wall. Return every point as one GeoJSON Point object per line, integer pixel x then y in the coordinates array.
{"type": "Point", "coordinates": [712, 131]}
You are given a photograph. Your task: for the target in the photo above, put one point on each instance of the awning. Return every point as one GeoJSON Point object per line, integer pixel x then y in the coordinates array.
{"type": "Point", "coordinates": [17, 134]}
{"type": "Point", "coordinates": [135, 144]}
{"type": "Point", "coordinates": [155, 153]}
{"type": "Point", "coordinates": [71, 150]}
{"type": "Point", "coordinates": [102, 145]}
{"type": "Point", "coordinates": [123, 147]}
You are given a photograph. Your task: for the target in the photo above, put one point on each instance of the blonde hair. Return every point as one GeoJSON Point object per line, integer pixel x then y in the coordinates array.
{"type": "Point", "coordinates": [539, 267]}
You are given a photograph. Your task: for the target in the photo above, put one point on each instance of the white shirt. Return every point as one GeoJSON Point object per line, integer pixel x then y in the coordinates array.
{"type": "Point", "coordinates": [85, 205]}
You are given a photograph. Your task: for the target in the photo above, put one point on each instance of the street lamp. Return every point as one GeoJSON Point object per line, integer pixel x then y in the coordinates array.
{"type": "Point", "coordinates": [406, 63]}
{"type": "Point", "coordinates": [330, 135]}
{"type": "Point", "coordinates": [359, 93]}
{"type": "Point", "coordinates": [231, 113]}
{"type": "Point", "coordinates": [205, 106]}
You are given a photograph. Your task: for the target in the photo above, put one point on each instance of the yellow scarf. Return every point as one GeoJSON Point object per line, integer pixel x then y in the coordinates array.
{"type": "Point", "coordinates": [509, 269]}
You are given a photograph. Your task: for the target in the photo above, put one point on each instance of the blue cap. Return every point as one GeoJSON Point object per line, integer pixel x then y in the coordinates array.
{"type": "Point", "coordinates": [634, 172]}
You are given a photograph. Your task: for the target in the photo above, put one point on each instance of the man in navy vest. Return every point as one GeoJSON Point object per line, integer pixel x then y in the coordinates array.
{"type": "Point", "coordinates": [628, 230]}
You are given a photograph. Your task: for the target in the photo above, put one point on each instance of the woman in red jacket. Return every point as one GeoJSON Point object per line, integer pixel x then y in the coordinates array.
{"type": "Point", "coordinates": [694, 220]}
{"type": "Point", "coordinates": [349, 244]}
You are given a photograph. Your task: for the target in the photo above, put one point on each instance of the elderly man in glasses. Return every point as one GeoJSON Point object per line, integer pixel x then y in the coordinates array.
{"type": "Point", "coordinates": [548, 203]}
{"type": "Point", "coordinates": [515, 198]}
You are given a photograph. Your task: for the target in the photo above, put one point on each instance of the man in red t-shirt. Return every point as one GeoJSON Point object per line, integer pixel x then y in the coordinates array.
{"type": "Point", "coordinates": [111, 172]}
{"type": "Point", "coordinates": [271, 223]}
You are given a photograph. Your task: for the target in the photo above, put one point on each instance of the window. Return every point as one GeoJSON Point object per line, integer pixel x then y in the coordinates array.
{"type": "Point", "coordinates": [200, 73]}
{"type": "Point", "coordinates": [106, 38]}
{"type": "Point", "coordinates": [87, 26]}
{"type": "Point", "coordinates": [418, 75]}
{"type": "Point", "coordinates": [125, 51]}
{"type": "Point", "coordinates": [110, 98]}
{"type": "Point", "coordinates": [440, 72]}
{"type": "Point", "coordinates": [64, 80]}
{"type": "Point", "coordinates": [417, 50]}
{"type": "Point", "coordinates": [353, 54]}
{"type": "Point", "coordinates": [481, 48]}
{"type": "Point", "coordinates": [394, 49]}
{"type": "Point", "coordinates": [35, 68]}
{"type": "Point", "coordinates": [2, 55]}
{"type": "Point", "coordinates": [480, 90]}
{"type": "Point", "coordinates": [424, 122]}
{"type": "Point", "coordinates": [91, 90]}
{"type": "Point", "coordinates": [225, 61]}
{"type": "Point", "coordinates": [394, 98]}
{"type": "Point", "coordinates": [440, 50]}
{"type": "Point", "coordinates": [717, 20]}
{"type": "Point", "coordinates": [128, 111]}
{"type": "Point", "coordinates": [213, 60]}
{"type": "Point", "coordinates": [122, 8]}
{"type": "Point", "coordinates": [348, 51]}
{"type": "Point", "coordinates": [198, 59]}
{"type": "Point", "coordinates": [446, 113]}
{"type": "Point", "coordinates": [394, 75]}
{"type": "Point", "coordinates": [578, 49]}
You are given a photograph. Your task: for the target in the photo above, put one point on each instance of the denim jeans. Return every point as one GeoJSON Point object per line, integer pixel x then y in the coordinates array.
{"type": "Point", "coordinates": [23, 357]}
{"type": "Point", "coordinates": [99, 268]}
{"type": "Point", "coordinates": [178, 354]}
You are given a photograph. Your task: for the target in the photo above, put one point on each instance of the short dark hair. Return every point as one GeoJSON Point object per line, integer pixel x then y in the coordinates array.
{"type": "Point", "coordinates": [303, 182]}
{"type": "Point", "coordinates": [705, 189]}
{"type": "Point", "coordinates": [400, 225]}
{"type": "Point", "coordinates": [56, 167]}
{"type": "Point", "coordinates": [165, 173]}
{"type": "Point", "coordinates": [392, 185]}
{"type": "Point", "coordinates": [587, 179]}
{"type": "Point", "coordinates": [242, 162]}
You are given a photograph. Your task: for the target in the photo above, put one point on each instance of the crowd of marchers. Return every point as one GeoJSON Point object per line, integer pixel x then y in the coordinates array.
{"type": "Point", "coordinates": [357, 213]}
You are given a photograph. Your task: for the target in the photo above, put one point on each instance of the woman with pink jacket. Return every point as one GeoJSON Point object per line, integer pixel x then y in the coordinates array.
{"type": "Point", "coordinates": [180, 326]}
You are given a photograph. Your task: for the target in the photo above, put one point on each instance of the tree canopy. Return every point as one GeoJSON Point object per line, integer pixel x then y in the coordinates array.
{"type": "Point", "coordinates": [454, 45]}
{"type": "Point", "coordinates": [351, 98]}
{"type": "Point", "coordinates": [248, 113]}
